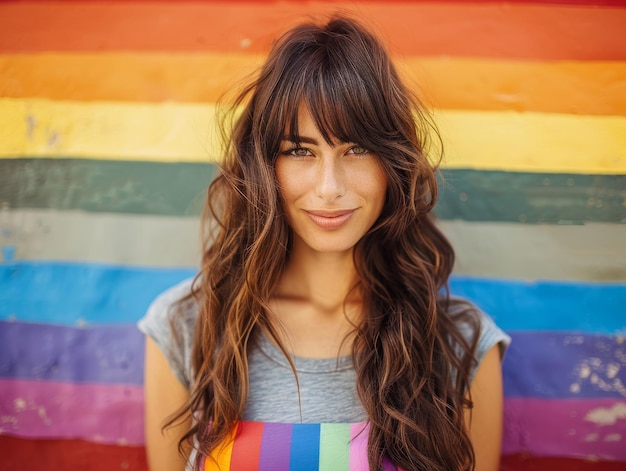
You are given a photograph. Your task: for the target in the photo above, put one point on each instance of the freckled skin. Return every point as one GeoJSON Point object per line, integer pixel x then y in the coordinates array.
{"type": "Point", "coordinates": [342, 180]}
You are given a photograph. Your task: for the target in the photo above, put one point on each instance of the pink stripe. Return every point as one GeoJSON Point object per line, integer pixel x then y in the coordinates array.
{"type": "Point", "coordinates": [358, 447]}
{"type": "Point", "coordinates": [566, 427]}
{"type": "Point", "coordinates": [101, 413]}
{"type": "Point", "coordinates": [114, 414]}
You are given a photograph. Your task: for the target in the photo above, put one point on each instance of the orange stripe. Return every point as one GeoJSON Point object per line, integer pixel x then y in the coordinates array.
{"type": "Point", "coordinates": [590, 87]}
{"type": "Point", "coordinates": [615, 3]}
{"type": "Point", "coordinates": [425, 29]}
{"type": "Point", "coordinates": [221, 456]}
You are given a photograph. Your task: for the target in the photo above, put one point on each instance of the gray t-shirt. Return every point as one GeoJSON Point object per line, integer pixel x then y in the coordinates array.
{"type": "Point", "coordinates": [327, 386]}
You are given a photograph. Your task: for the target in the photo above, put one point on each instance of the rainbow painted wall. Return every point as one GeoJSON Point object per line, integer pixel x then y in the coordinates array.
{"type": "Point", "coordinates": [106, 144]}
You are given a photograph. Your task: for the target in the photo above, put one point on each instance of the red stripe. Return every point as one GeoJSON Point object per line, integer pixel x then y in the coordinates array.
{"type": "Point", "coordinates": [424, 29]}
{"type": "Point", "coordinates": [610, 3]}
{"type": "Point", "coordinates": [524, 462]}
{"type": "Point", "coordinates": [63, 455]}
{"type": "Point", "coordinates": [247, 446]}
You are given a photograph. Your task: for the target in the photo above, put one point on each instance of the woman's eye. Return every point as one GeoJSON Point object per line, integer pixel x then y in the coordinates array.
{"type": "Point", "coordinates": [298, 152]}
{"type": "Point", "coordinates": [358, 150]}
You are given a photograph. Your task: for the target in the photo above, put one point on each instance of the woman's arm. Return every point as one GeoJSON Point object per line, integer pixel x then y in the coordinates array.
{"type": "Point", "coordinates": [164, 394]}
{"type": "Point", "coordinates": [485, 419]}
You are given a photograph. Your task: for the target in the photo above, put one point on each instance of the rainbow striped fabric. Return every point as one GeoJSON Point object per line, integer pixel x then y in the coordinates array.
{"type": "Point", "coordinates": [265, 446]}
{"type": "Point", "coordinates": [107, 144]}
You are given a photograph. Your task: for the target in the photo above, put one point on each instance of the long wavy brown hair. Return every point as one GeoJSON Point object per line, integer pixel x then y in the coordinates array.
{"type": "Point", "coordinates": [413, 365]}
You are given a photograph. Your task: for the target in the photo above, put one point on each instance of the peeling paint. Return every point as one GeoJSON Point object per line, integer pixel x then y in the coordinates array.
{"type": "Point", "coordinates": [585, 372]}
{"type": "Point", "coordinates": [19, 404]}
{"type": "Point", "coordinates": [613, 437]}
{"type": "Point", "coordinates": [605, 375]}
{"type": "Point", "coordinates": [607, 416]}
{"type": "Point", "coordinates": [53, 139]}
{"type": "Point", "coordinates": [612, 369]}
{"type": "Point", "coordinates": [9, 419]}
{"type": "Point", "coordinates": [574, 340]}
{"type": "Point", "coordinates": [43, 415]}
{"type": "Point", "coordinates": [592, 437]}
{"type": "Point", "coordinates": [31, 124]}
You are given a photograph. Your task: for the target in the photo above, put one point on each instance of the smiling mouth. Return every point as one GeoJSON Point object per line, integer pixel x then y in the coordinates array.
{"type": "Point", "coordinates": [330, 219]}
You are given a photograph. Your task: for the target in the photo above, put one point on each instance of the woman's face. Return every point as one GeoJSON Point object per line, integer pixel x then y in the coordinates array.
{"type": "Point", "coordinates": [332, 194]}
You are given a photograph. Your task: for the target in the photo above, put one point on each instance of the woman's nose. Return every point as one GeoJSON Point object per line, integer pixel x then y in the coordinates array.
{"type": "Point", "coordinates": [330, 180]}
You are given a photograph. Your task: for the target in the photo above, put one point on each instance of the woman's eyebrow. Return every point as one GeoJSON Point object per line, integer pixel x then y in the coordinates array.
{"type": "Point", "coordinates": [301, 140]}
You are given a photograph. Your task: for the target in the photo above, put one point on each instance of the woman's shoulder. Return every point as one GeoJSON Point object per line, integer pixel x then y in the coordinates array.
{"type": "Point", "coordinates": [475, 324]}
{"type": "Point", "coordinates": [170, 321]}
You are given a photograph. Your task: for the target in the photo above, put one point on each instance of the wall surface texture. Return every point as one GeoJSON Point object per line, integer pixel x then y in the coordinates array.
{"type": "Point", "coordinates": [107, 144]}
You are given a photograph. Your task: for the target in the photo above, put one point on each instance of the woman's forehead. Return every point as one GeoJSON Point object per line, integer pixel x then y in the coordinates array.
{"type": "Point", "coordinates": [324, 121]}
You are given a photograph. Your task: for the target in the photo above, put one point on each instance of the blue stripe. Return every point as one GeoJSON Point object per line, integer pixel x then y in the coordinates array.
{"type": "Point", "coordinates": [548, 305]}
{"type": "Point", "coordinates": [63, 293]}
{"type": "Point", "coordinates": [101, 354]}
{"type": "Point", "coordinates": [305, 447]}
{"type": "Point", "coordinates": [565, 366]}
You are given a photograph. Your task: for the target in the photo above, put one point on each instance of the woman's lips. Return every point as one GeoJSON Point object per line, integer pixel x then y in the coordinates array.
{"type": "Point", "coordinates": [330, 219]}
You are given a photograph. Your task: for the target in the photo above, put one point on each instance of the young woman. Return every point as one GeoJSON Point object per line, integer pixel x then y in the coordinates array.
{"type": "Point", "coordinates": [319, 333]}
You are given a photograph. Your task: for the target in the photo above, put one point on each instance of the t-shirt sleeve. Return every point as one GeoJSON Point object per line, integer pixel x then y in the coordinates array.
{"type": "Point", "coordinates": [170, 323]}
{"type": "Point", "coordinates": [489, 334]}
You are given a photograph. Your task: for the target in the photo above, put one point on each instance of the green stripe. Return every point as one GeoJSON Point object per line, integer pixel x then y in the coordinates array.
{"type": "Point", "coordinates": [177, 189]}
{"type": "Point", "coordinates": [335, 447]}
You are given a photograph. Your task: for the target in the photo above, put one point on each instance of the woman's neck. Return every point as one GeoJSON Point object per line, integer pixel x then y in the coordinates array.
{"type": "Point", "coordinates": [326, 280]}
{"type": "Point", "coordinates": [316, 304]}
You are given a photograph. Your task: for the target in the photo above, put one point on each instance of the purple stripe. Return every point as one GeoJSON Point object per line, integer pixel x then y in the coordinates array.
{"type": "Point", "coordinates": [100, 354]}
{"type": "Point", "coordinates": [587, 428]}
{"type": "Point", "coordinates": [538, 364]}
{"type": "Point", "coordinates": [275, 446]}
{"type": "Point", "coordinates": [99, 413]}
{"type": "Point", "coordinates": [557, 365]}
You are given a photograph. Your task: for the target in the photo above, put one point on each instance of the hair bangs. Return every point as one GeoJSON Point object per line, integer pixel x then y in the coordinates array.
{"type": "Point", "coordinates": [343, 96]}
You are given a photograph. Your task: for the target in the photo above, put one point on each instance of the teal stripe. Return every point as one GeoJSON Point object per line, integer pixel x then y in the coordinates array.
{"type": "Point", "coordinates": [474, 195]}
{"type": "Point", "coordinates": [170, 189]}
{"type": "Point", "coordinates": [335, 447]}
{"type": "Point", "coordinates": [178, 189]}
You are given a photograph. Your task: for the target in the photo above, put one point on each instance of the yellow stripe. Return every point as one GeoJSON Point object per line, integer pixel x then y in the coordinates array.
{"type": "Point", "coordinates": [532, 142]}
{"type": "Point", "coordinates": [104, 130]}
